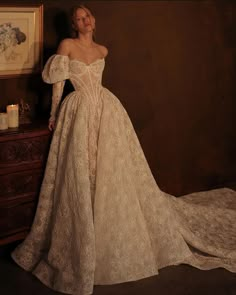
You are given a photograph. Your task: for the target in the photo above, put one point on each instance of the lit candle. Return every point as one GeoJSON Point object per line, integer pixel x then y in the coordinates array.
{"type": "Point", "coordinates": [3, 121]}
{"type": "Point", "coordinates": [13, 115]}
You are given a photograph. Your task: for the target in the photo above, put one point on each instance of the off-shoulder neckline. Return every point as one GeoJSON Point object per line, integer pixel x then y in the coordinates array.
{"type": "Point", "coordinates": [80, 61]}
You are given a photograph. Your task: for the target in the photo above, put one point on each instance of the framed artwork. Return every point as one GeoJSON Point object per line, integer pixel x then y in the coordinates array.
{"type": "Point", "coordinates": [21, 39]}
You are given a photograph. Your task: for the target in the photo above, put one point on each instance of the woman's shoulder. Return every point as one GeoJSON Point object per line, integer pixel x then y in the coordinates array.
{"type": "Point", "coordinates": [65, 46]}
{"type": "Point", "coordinates": [103, 49]}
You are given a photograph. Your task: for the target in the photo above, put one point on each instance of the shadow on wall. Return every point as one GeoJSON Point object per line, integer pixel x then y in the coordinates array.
{"type": "Point", "coordinates": [59, 29]}
{"type": "Point", "coordinates": [38, 92]}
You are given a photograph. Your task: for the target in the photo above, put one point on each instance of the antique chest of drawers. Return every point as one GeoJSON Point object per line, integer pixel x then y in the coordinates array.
{"type": "Point", "coordinates": [23, 155]}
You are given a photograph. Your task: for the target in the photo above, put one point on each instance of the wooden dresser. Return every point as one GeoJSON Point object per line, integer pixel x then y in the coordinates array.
{"type": "Point", "coordinates": [23, 155]}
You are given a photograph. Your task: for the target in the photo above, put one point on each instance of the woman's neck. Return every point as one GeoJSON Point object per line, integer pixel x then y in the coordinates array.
{"type": "Point", "coordinates": [86, 40]}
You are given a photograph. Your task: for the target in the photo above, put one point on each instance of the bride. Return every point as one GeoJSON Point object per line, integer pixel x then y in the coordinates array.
{"type": "Point", "coordinates": [101, 217]}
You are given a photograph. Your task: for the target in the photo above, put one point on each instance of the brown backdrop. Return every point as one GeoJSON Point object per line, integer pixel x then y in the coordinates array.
{"type": "Point", "coordinates": [172, 65]}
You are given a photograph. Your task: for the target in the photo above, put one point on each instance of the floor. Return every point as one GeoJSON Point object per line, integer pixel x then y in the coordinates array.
{"type": "Point", "coordinates": [176, 280]}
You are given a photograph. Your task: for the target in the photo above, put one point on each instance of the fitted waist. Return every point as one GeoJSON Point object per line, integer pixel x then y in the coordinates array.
{"type": "Point", "coordinates": [93, 95]}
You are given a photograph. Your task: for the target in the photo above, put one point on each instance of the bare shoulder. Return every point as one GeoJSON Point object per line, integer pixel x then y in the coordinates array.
{"type": "Point", "coordinates": [103, 50]}
{"type": "Point", "coordinates": [65, 46]}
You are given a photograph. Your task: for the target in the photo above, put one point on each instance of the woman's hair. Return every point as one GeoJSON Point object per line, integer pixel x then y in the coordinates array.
{"type": "Point", "coordinates": [72, 15]}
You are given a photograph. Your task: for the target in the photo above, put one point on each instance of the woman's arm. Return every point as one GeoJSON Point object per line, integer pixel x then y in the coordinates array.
{"type": "Point", "coordinates": [57, 90]}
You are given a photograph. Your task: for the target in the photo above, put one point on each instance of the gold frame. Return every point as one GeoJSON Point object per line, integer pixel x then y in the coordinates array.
{"type": "Point", "coordinates": [21, 39]}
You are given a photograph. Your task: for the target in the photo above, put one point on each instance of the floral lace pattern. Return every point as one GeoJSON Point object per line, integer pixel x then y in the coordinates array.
{"type": "Point", "coordinates": [101, 218]}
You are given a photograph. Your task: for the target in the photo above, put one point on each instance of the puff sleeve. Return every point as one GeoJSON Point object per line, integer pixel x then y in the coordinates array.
{"type": "Point", "coordinates": [55, 72]}
{"type": "Point", "coordinates": [56, 69]}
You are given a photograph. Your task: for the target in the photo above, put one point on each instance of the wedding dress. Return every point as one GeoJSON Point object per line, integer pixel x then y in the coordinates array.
{"type": "Point", "coordinates": [101, 218]}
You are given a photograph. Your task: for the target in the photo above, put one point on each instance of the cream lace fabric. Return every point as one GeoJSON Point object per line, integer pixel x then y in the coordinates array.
{"type": "Point", "coordinates": [101, 218]}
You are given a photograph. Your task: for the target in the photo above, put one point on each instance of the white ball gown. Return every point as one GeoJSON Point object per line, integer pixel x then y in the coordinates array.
{"type": "Point", "coordinates": [101, 218]}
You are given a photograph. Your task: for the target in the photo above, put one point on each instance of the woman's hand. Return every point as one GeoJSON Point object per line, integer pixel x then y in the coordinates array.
{"type": "Point", "coordinates": [51, 125]}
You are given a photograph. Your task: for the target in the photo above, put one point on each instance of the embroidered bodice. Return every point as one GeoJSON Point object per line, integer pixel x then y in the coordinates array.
{"type": "Point", "coordinates": [84, 77]}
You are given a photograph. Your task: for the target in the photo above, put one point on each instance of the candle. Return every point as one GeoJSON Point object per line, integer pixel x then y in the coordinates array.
{"type": "Point", "coordinates": [13, 115]}
{"type": "Point", "coordinates": [3, 121]}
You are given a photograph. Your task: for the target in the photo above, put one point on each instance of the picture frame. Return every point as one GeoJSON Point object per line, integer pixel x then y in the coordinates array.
{"type": "Point", "coordinates": [21, 39]}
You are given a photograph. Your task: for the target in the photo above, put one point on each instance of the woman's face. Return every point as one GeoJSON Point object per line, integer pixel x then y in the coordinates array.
{"type": "Point", "coordinates": [84, 21]}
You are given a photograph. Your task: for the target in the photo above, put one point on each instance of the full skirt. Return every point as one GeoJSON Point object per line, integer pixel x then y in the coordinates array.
{"type": "Point", "coordinates": [101, 217]}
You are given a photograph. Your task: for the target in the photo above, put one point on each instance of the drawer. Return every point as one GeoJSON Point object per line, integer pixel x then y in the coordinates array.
{"type": "Point", "coordinates": [16, 217]}
{"type": "Point", "coordinates": [23, 151]}
{"type": "Point", "coordinates": [20, 184]}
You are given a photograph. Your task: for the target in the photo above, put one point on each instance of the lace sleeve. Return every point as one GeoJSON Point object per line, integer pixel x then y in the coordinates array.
{"type": "Point", "coordinates": [57, 90]}
{"type": "Point", "coordinates": [56, 69]}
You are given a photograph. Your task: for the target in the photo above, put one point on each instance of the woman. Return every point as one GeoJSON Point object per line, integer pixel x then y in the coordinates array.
{"type": "Point", "coordinates": [101, 218]}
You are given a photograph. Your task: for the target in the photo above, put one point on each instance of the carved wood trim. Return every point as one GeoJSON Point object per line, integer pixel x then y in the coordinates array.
{"type": "Point", "coordinates": [23, 151]}
{"type": "Point", "coordinates": [15, 218]}
{"type": "Point", "coordinates": [23, 154]}
{"type": "Point", "coordinates": [20, 183]}
{"type": "Point", "coordinates": [14, 236]}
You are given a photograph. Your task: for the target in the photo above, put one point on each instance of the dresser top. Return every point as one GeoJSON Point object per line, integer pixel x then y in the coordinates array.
{"type": "Point", "coordinates": [25, 130]}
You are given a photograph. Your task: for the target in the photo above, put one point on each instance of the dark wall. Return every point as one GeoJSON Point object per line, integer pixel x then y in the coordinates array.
{"type": "Point", "coordinates": [172, 65]}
